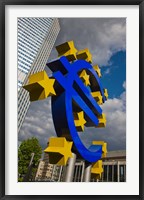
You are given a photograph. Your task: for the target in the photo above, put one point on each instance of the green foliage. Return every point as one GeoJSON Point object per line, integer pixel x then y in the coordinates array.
{"type": "Point", "coordinates": [25, 151]}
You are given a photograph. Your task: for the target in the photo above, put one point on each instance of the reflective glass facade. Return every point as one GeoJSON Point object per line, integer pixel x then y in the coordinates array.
{"type": "Point", "coordinates": [36, 38]}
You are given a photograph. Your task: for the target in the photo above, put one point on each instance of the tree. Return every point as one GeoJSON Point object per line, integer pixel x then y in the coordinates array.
{"type": "Point", "coordinates": [25, 151]}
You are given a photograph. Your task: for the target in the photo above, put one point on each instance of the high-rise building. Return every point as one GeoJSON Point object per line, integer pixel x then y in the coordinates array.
{"type": "Point", "coordinates": [36, 38]}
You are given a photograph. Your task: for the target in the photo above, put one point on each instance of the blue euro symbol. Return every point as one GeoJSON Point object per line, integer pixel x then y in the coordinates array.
{"type": "Point", "coordinates": [73, 95]}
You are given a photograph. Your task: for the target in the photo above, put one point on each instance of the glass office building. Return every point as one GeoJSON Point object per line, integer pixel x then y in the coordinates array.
{"type": "Point", "coordinates": [36, 38]}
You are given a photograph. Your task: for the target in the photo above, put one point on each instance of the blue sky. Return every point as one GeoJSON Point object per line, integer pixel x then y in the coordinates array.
{"type": "Point", "coordinates": [106, 40]}
{"type": "Point", "coordinates": [114, 75]}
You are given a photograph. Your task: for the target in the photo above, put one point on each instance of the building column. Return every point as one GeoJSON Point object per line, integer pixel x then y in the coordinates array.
{"type": "Point", "coordinates": [108, 173]}
{"type": "Point", "coordinates": [112, 172]}
{"type": "Point", "coordinates": [70, 169]}
{"type": "Point", "coordinates": [125, 173]}
{"type": "Point", "coordinates": [118, 172]}
{"type": "Point", "coordinates": [87, 173]}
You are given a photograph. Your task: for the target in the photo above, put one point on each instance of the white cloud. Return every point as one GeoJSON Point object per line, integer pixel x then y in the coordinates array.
{"type": "Point", "coordinates": [38, 122]}
{"type": "Point", "coordinates": [124, 85]}
{"type": "Point", "coordinates": [107, 71]}
{"type": "Point", "coordinates": [115, 131]}
{"type": "Point", "coordinates": [103, 36]}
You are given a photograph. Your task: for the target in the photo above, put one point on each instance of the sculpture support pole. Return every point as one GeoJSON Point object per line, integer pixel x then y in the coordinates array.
{"type": "Point", "coordinates": [87, 173]}
{"type": "Point", "coordinates": [70, 169]}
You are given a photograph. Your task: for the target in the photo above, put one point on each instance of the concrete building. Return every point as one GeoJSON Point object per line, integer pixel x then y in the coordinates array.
{"type": "Point", "coordinates": [114, 166]}
{"type": "Point", "coordinates": [36, 38]}
{"type": "Point", "coordinates": [48, 172]}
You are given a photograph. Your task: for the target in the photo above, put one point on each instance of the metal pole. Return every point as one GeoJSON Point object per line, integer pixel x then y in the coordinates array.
{"type": "Point", "coordinates": [26, 177]}
{"type": "Point", "coordinates": [82, 173]}
{"type": "Point", "coordinates": [87, 173]}
{"type": "Point", "coordinates": [32, 156]}
{"type": "Point", "coordinates": [60, 173]}
{"type": "Point", "coordinates": [70, 169]}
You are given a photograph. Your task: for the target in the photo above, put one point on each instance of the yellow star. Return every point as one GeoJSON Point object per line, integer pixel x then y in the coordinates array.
{"type": "Point", "coordinates": [79, 121]}
{"type": "Point", "coordinates": [67, 49]}
{"type": "Point", "coordinates": [40, 86]}
{"type": "Point", "coordinates": [97, 69]}
{"type": "Point", "coordinates": [98, 97]}
{"type": "Point", "coordinates": [102, 121]}
{"type": "Point", "coordinates": [106, 93]}
{"type": "Point", "coordinates": [85, 77]}
{"type": "Point", "coordinates": [104, 147]}
{"type": "Point", "coordinates": [97, 169]}
{"type": "Point", "coordinates": [59, 150]}
{"type": "Point", "coordinates": [84, 55]}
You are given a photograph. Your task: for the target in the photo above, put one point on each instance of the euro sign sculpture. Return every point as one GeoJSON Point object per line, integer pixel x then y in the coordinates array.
{"type": "Point", "coordinates": [76, 95]}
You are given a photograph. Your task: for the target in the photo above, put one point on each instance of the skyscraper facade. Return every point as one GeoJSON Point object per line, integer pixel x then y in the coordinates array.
{"type": "Point", "coordinates": [36, 38]}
